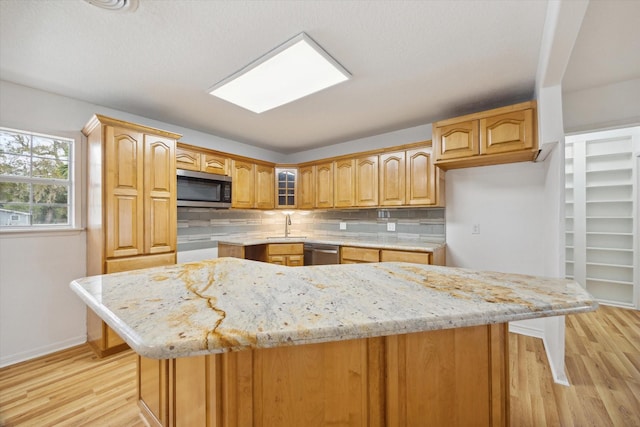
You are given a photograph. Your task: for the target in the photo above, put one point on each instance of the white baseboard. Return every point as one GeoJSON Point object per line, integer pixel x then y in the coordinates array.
{"type": "Point", "coordinates": [12, 359]}
{"type": "Point", "coordinates": [559, 375]}
{"type": "Point", "coordinates": [519, 328]}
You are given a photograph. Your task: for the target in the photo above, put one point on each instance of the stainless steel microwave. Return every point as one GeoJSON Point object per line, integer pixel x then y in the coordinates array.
{"type": "Point", "coordinates": [206, 190]}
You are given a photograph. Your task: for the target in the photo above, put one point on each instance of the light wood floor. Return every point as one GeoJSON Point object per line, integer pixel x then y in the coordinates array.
{"type": "Point", "coordinates": [74, 388]}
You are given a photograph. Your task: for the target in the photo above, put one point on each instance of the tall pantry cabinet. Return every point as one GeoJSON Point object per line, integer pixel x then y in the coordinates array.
{"type": "Point", "coordinates": [131, 206]}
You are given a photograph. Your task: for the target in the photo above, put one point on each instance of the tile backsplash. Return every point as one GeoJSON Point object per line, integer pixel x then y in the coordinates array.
{"type": "Point", "coordinates": [202, 227]}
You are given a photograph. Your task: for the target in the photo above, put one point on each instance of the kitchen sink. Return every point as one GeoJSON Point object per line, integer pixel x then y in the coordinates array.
{"type": "Point", "coordinates": [286, 237]}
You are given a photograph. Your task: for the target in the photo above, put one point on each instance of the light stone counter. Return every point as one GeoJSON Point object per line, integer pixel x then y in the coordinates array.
{"type": "Point", "coordinates": [230, 304]}
{"type": "Point", "coordinates": [391, 243]}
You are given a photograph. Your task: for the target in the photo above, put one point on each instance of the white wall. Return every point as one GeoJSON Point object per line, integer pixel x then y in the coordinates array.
{"type": "Point", "coordinates": [38, 312]}
{"type": "Point", "coordinates": [404, 136]}
{"type": "Point", "coordinates": [602, 107]}
{"type": "Point", "coordinates": [506, 201]}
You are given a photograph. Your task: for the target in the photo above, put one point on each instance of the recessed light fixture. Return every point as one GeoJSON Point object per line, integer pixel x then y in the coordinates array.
{"type": "Point", "coordinates": [115, 5]}
{"type": "Point", "coordinates": [293, 70]}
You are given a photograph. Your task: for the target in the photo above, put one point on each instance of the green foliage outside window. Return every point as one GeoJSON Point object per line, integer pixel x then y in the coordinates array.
{"type": "Point", "coordinates": [35, 184]}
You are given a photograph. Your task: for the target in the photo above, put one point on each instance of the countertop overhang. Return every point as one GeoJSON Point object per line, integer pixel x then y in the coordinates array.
{"type": "Point", "coordinates": [230, 304]}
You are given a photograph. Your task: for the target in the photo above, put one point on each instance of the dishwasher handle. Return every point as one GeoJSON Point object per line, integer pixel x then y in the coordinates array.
{"type": "Point", "coordinates": [326, 251]}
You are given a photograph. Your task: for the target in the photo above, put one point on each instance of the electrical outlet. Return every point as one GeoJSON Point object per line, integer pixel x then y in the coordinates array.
{"type": "Point", "coordinates": [343, 226]}
{"type": "Point", "coordinates": [475, 229]}
{"type": "Point", "coordinates": [391, 226]}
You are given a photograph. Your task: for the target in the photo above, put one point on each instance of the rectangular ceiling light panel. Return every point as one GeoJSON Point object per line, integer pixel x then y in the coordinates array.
{"type": "Point", "coordinates": [292, 71]}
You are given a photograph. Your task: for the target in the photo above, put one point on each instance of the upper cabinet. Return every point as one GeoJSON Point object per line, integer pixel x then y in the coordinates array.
{"type": "Point", "coordinates": [502, 135]}
{"type": "Point", "coordinates": [252, 185]}
{"type": "Point", "coordinates": [286, 187]}
{"type": "Point", "coordinates": [366, 181]}
{"type": "Point", "coordinates": [201, 161]}
{"type": "Point", "coordinates": [424, 181]}
{"type": "Point", "coordinates": [392, 179]}
{"type": "Point", "coordinates": [306, 187]}
{"type": "Point", "coordinates": [343, 183]}
{"type": "Point", "coordinates": [324, 185]}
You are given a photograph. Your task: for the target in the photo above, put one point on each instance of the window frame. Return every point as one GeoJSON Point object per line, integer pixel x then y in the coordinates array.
{"type": "Point", "coordinates": [74, 195]}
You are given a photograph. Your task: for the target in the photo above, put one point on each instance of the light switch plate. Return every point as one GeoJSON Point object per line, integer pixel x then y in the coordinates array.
{"type": "Point", "coordinates": [343, 226]}
{"type": "Point", "coordinates": [391, 226]}
{"type": "Point", "coordinates": [475, 229]}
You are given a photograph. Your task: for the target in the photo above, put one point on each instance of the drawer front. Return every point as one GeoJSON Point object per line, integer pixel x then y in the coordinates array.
{"type": "Point", "coordinates": [286, 249]}
{"type": "Point", "coordinates": [295, 260]}
{"type": "Point", "coordinates": [135, 263]}
{"type": "Point", "coordinates": [348, 253]}
{"type": "Point", "coordinates": [405, 256]}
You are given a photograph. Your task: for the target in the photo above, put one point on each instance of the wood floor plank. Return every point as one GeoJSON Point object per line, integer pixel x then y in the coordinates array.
{"type": "Point", "coordinates": [75, 388]}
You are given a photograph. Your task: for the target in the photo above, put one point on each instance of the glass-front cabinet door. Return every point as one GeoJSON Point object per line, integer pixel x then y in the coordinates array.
{"type": "Point", "coordinates": [286, 187]}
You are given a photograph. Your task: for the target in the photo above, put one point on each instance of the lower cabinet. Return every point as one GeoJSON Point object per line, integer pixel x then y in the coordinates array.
{"type": "Point", "coordinates": [289, 254]}
{"type": "Point", "coordinates": [353, 255]}
{"type": "Point", "coordinates": [452, 377]}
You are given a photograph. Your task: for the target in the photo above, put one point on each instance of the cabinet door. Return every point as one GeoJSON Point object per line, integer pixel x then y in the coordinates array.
{"type": "Point", "coordinates": [124, 192]}
{"type": "Point", "coordinates": [343, 192]}
{"type": "Point", "coordinates": [392, 176]}
{"type": "Point", "coordinates": [306, 187]}
{"type": "Point", "coordinates": [214, 164]}
{"type": "Point", "coordinates": [187, 159]}
{"type": "Point", "coordinates": [265, 198]}
{"type": "Point", "coordinates": [159, 195]}
{"type": "Point", "coordinates": [367, 181]}
{"type": "Point", "coordinates": [388, 255]}
{"type": "Point", "coordinates": [456, 140]}
{"type": "Point", "coordinates": [507, 132]}
{"type": "Point", "coordinates": [286, 187]}
{"type": "Point", "coordinates": [324, 185]}
{"type": "Point", "coordinates": [353, 255]}
{"type": "Point", "coordinates": [243, 176]}
{"type": "Point", "coordinates": [420, 177]}
{"type": "Point", "coordinates": [153, 390]}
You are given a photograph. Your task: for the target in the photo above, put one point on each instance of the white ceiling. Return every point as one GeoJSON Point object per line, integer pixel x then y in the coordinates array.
{"type": "Point", "coordinates": [412, 62]}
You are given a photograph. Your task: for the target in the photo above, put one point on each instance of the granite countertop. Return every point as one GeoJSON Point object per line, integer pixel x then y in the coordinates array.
{"type": "Point", "coordinates": [231, 304]}
{"type": "Point", "coordinates": [391, 243]}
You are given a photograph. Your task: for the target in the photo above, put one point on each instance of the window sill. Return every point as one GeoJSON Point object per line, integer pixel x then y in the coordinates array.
{"type": "Point", "coordinates": [40, 232]}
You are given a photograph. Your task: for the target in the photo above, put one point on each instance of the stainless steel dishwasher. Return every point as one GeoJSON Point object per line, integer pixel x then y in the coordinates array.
{"type": "Point", "coordinates": [321, 254]}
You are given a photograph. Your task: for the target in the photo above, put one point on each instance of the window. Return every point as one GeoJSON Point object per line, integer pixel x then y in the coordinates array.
{"type": "Point", "coordinates": [36, 180]}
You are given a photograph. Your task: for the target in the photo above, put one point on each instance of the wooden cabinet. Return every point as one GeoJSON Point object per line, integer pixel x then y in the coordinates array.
{"type": "Point", "coordinates": [131, 206]}
{"type": "Point", "coordinates": [252, 185]}
{"type": "Point", "coordinates": [502, 135]}
{"type": "Point", "coordinates": [366, 185]}
{"type": "Point", "coordinates": [289, 254]}
{"type": "Point", "coordinates": [344, 185]}
{"type": "Point", "coordinates": [450, 377]}
{"type": "Point", "coordinates": [424, 181]}
{"type": "Point", "coordinates": [201, 161]}
{"type": "Point", "coordinates": [286, 188]}
{"type": "Point", "coordinates": [324, 185]}
{"type": "Point", "coordinates": [392, 179]}
{"type": "Point", "coordinates": [265, 197]}
{"type": "Point", "coordinates": [392, 255]}
{"type": "Point", "coordinates": [306, 187]}
{"type": "Point", "coordinates": [243, 177]}
{"type": "Point", "coordinates": [355, 255]}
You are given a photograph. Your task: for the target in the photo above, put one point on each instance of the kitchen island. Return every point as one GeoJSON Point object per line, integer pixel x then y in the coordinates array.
{"type": "Point", "coordinates": [232, 342]}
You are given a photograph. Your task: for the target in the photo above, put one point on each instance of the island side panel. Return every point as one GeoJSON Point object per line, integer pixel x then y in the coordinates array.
{"type": "Point", "coordinates": [453, 377]}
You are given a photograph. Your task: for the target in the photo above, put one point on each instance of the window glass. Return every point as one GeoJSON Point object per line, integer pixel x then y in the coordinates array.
{"type": "Point", "coordinates": [35, 179]}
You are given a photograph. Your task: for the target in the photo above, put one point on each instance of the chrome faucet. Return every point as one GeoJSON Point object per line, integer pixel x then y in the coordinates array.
{"type": "Point", "coordinates": [287, 223]}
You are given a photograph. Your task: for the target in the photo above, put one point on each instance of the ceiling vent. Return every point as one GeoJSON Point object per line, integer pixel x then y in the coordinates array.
{"type": "Point", "coordinates": [115, 5]}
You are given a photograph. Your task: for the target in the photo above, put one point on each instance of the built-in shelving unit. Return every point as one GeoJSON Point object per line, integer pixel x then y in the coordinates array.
{"type": "Point", "coordinates": [601, 215]}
